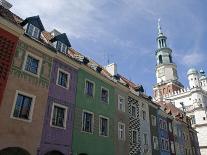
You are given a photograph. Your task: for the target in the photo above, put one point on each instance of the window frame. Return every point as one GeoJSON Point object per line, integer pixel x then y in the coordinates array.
{"type": "Point", "coordinates": [124, 131]}
{"type": "Point", "coordinates": [101, 116]}
{"type": "Point", "coordinates": [92, 123]}
{"type": "Point", "coordinates": [39, 64]}
{"type": "Point", "coordinates": [33, 31]}
{"type": "Point", "coordinates": [85, 90]}
{"type": "Point", "coordinates": [61, 44]}
{"type": "Point", "coordinates": [155, 143]}
{"type": "Point", "coordinates": [123, 104]}
{"type": "Point", "coordinates": [133, 130]}
{"type": "Point", "coordinates": [65, 115]}
{"type": "Point", "coordinates": [68, 77]}
{"type": "Point", "coordinates": [154, 120]}
{"type": "Point", "coordinates": [103, 88]}
{"type": "Point", "coordinates": [144, 115]}
{"type": "Point", "coordinates": [31, 107]}
{"type": "Point", "coordinates": [133, 105]}
{"type": "Point", "coordinates": [147, 140]}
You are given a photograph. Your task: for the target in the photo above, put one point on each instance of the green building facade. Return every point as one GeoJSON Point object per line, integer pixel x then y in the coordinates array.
{"type": "Point", "coordinates": [93, 132]}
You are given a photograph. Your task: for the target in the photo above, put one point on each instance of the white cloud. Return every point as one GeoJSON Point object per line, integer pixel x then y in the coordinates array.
{"type": "Point", "coordinates": [192, 59]}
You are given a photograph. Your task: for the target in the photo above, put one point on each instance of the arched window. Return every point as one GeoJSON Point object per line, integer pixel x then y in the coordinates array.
{"type": "Point", "coordinates": [160, 59]}
{"type": "Point", "coordinates": [170, 57]}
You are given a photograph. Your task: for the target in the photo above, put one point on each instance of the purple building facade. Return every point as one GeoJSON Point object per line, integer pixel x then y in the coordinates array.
{"type": "Point", "coordinates": [58, 120]}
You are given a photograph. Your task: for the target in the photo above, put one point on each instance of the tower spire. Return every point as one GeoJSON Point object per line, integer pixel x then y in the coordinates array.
{"type": "Point", "coordinates": [159, 27]}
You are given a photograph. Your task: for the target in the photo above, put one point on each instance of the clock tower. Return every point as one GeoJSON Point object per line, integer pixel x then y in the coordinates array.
{"type": "Point", "coordinates": [166, 69]}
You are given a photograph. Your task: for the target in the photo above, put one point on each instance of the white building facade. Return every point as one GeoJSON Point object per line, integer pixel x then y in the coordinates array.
{"type": "Point", "coordinates": [192, 100]}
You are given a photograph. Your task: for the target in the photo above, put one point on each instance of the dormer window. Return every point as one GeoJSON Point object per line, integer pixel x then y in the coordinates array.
{"type": "Point", "coordinates": [61, 47]}
{"type": "Point", "coordinates": [33, 31]}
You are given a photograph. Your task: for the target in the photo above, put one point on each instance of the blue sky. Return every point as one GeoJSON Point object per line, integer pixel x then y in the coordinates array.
{"type": "Point", "coordinates": [125, 31]}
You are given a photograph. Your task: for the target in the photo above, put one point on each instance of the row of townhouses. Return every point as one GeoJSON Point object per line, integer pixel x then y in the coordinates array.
{"type": "Point", "coordinates": [56, 101]}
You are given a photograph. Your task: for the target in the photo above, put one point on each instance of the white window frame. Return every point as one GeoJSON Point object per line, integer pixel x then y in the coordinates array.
{"type": "Point", "coordinates": [103, 88]}
{"type": "Point", "coordinates": [170, 126]}
{"type": "Point", "coordinates": [144, 111]}
{"type": "Point", "coordinates": [33, 30]}
{"type": "Point", "coordinates": [101, 116]}
{"type": "Point", "coordinates": [172, 146]}
{"type": "Point", "coordinates": [31, 108]}
{"type": "Point", "coordinates": [133, 130]}
{"type": "Point", "coordinates": [124, 131]}
{"type": "Point", "coordinates": [68, 74]}
{"type": "Point", "coordinates": [61, 47]}
{"type": "Point", "coordinates": [92, 124]}
{"type": "Point", "coordinates": [146, 138]}
{"type": "Point", "coordinates": [119, 103]}
{"type": "Point", "coordinates": [135, 111]}
{"type": "Point", "coordinates": [154, 120]}
{"type": "Point", "coordinates": [39, 64]}
{"type": "Point", "coordinates": [65, 115]}
{"type": "Point", "coordinates": [85, 91]}
{"type": "Point", "coordinates": [155, 143]}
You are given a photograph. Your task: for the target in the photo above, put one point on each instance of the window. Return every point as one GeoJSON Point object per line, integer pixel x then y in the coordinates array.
{"type": "Point", "coordinates": [23, 106]}
{"type": "Point", "coordinates": [121, 103]}
{"type": "Point", "coordinates": [193, 121]}
{"type": "Point", "coordinates": [87, 122]}
{"type": "Point", "coordinates": [59, 116]}
{"type": "Point", "coordinates": [121, 131]}
{"type": "Point", "coordinates": [145, 139]}
{"type": "Point", "coordinates": [103, 126]}
{"type": "Point", "coordinates": [32, 64]}
{"type": "Point", "coordinates": [63, 78]}
{"type": "Point", "coordinates": [155, 143]}
{"type": "Point", "coordinates": [162, 143]}
{"type": "Point", "coordinates": [166, 144]}
{"type": "Point", "coordinates": [61, 47]}
{"type": "Point", "coordinates": [104, 95]}
{"type": "Point", "coordinates": [170, 126]}
{"type": "Point", "coordinates": [134, 111]}
{"type": "Point", "coordinates": [89, 88]}
{"type": "Point", "coordinates": [143, 115]}
{"type": "Point", "coordinates": [134, 136]}
{"type": "Point", "coordinates": [204, 118]}
{"type": "Point", "coordinates": [153, 119]}
{"type": "Point", "coordinates": [33, 31]}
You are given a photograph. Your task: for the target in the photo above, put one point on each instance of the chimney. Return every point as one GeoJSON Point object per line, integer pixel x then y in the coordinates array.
{"type": "Point", "coordinates": [55, 33]}
{"type": "Point", "coordinates": [5, 4]}
{"type": "Point", "coordinates": [112, 69]}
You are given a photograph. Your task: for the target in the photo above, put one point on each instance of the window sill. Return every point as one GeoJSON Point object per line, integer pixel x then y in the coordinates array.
{"type": "Point", "coordinates": [91, 133]}
{"type": "Point", "coordinates": [32, 74]}
{"type": "Point", "coordinates": [21, 119]}
{"type": "Point", "coordinates": [62, 86]}
{"type": "Point", "coordinates": [58, 127]}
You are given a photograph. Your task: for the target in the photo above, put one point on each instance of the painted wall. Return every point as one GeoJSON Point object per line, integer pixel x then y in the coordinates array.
{"type": "Point", "coordinates": [121, 147]}
{"type": "Point", "coordinates": [92, 143]}
{"type": "Point", "coordinates": [154, 129]}
{"type": "Point", "coordinates": [162, 132]}
{"type": "Point", "coordinates": [145, 126]}
{"type": "Point", "coordinates": [134, 124]}
{"type": "Point", "coordinates": [8, 44]}
{"type": "Point", "coordinates": [19, 133]}
{"type": "Point", "coordinates": [55, 138]}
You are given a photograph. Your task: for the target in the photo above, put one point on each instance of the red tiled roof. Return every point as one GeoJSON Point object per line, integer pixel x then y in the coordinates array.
{"type": "Point", "coordinates": [7, 14]}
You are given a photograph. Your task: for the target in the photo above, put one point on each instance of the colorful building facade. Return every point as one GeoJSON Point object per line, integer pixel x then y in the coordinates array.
{"type": "Point", "coordinates": [93, 131]}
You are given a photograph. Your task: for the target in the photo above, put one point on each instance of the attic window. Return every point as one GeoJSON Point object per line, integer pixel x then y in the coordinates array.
{"type": "Point", "coordinates": [33, 31]}
{"type": "Point", "coordinates": [61, 47]}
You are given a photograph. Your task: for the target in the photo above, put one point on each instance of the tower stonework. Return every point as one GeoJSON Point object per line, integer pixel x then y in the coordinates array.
{"type": "Point", "coordinates": [166, 69]}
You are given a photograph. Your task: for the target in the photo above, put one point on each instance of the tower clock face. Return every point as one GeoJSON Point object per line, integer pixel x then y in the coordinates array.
{"type": "Point", "coordinates": [160, 72]}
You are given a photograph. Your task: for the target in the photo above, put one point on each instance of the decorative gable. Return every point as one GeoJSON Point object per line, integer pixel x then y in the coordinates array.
{"type": "Point", "coordinates": [61, 42]}
{"type": "Point", "coordinates": [33, 26]}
